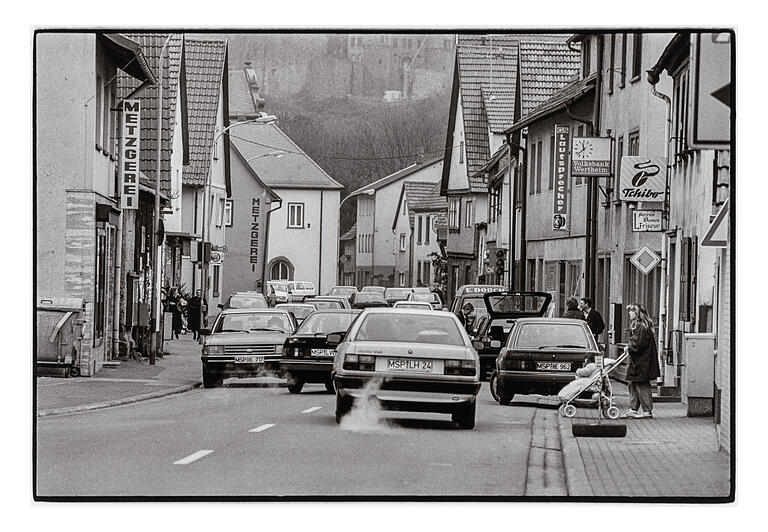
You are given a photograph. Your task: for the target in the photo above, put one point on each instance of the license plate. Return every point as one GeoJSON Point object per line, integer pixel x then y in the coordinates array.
{"type": "Point", "coordinates": [249, 359]}
{"type": "Point", "coordinates": [553, 366]}
{"type": "Point", "coordinates": [323, 352]}
{"type": "Point", "coordinates": [410, 365]}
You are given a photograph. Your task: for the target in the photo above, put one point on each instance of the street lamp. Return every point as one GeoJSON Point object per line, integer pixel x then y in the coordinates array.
{"type": "Point", "coordinates": [276, 154]}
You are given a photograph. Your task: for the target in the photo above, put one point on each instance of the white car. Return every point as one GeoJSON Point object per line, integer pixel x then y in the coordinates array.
{"type": "Point", "coordinates": [423, 361]}
{"type": "Point", "coordinates": [420, 305]}
{"type": "Point", "coordinates": [298, 290]}
{"type": "Point", "coordinates": [277, 292]}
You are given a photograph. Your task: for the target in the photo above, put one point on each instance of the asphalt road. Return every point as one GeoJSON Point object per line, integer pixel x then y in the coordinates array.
{"type": "Point", "coordinates": [248, 440]}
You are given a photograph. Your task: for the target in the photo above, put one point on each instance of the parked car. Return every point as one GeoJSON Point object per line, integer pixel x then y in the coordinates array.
{"type": "Point", "coordinates": [244, 343]}
{"type": "Point", "coordinates": [307, 355]}
{"type": "Point", "coordinates": [300, 310]}
{"type": "Point", "coordinates": [343, 291]}
{"type": "Point", "coordinates": [396, 294]}
{"type": "Point", "coordinates": [343, 301]}
{"type": "Point", "coordinates": [298, 290]}
{"type": "Point", "coordinates": [504, 308]}
{"type": "Point", "coordinates": [429, 297]}
{"type": "Point", "coordinates": [277, 292]}
{"type": "Point", "coordinates": [245, 300]}
{"type": "Point", "coordinates": [376, 289]}
{"type": "Point", "coordinates": [368, 299]}
{"type": "Point", "coordinates": [424, 361]}
{"type": "Point", "coordinates": [473, 293]}
{"type": "Point", "coordinates": [416, 305]}
{"type": "Point", "coordinates": [541, 355]}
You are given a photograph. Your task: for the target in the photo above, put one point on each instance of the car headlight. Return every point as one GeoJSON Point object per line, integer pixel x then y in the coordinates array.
{"type": "Point", "coordinates": [213, 349]}
{"type": "Point", "coordinates": [278, 349]}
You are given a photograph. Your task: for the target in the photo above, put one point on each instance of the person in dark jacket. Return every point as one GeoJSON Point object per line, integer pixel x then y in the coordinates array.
{"type": "Point", "coordinates": [643, 363]}
{"type": "Point", "coordinates": [572, 309]}
{"type": "Point", "coordinates": [175, 308]}
{"type": "Point", "coordinates": [593, 317]}
{"type": "Point", "coordinates": [466, 317]}
{"type": "Point", "coordinates": [193, 313]}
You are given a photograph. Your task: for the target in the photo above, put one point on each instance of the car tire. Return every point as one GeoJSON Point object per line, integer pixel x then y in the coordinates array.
{"type": "Point", "coordinates": [343, 406]}
{"type": "Point", "coordinates": [466, 416]}
{"type": "Point", "coordinates": [211, 379]}
{"type": "Point", "coordinates": [295, 383]}
{"type": "Point", "coordinates": [329, 387]}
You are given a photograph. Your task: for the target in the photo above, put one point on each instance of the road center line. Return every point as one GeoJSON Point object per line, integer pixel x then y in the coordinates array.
{"type": "Point", "coordinates": [262, 427]}
{"type": "Point", "coordinates": [310, 410]}
{"type": "Point", "coordinates": [192, 457]}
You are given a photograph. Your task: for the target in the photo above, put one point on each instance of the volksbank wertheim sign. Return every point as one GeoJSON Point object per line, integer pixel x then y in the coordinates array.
{"type": "Point", "coordinates": [129, 155]}
{"type": "Point", "coordinates": [642, 178]}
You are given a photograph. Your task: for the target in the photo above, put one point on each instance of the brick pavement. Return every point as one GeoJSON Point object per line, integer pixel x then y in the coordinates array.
{"type": "Point", "coordinates": [670, 455]}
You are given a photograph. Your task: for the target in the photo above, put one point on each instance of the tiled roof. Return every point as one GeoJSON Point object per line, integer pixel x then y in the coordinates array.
{"type": "Point", "coordinates": [240, 96]}
{"type": "Point", "coordinates": [432, 201]}
{"type": "Point", "coordinates": [545, 67]}
{"type": "Point", "coordinates": [276, 159]}
{"type": "Point", "coordinates": [499, 107]}
{"type": "Point", "coordinates": [351, 234]}
{"type": "Point", "coordinates": [571, 92]}
{"type": "Point", "coordinates": [151, 45]}
{"type": "Point", "coordinates": [391, 178]}
{"type": "Point", "coordinates": [205, 60]}
{"type": "Point", "coordinates": [415, 193]}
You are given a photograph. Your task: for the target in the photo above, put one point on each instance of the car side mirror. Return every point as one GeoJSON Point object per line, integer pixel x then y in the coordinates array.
{"type": "Point", "coordinates": [334, 339]}
{"type": "Point", "coordinates": [204, 332]}
{"type": "Point", "coordinates": [478, 345]}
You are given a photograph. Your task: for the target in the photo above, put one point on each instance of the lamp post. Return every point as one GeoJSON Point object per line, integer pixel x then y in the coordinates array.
{"type": "Point", "coordinates": [206, 221]}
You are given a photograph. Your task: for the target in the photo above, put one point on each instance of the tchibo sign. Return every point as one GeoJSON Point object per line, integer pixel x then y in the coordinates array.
{"type": "Point", "coordinates": [129, 155]}
{"type": "Point", "coordinates": [642, 178]}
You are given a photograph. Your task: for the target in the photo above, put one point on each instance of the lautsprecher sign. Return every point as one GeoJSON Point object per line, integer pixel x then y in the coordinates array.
{"type": "Point", "coordinates": [129, 155]}
{"type": "Point", "coordinates": [562, 144]}
{"type": "Point", "coordinates": [642, 178]}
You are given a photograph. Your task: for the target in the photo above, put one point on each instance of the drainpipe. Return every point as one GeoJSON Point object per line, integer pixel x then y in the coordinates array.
{"type": "Point", "coordinates": [591, 185]}
{"type": "Point", "coordinates": [521, 167]}
{"type": "Point", "coordinates": [116, 296]}
{"type": "Point", "coordinates": [320, 249]}
{"type": "Point", "coordinates": [266, 247]}
{"type": "Point", "coordinates": [662, 339]}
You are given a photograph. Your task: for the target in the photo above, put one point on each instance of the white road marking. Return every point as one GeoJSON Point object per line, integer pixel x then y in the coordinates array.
{"type": "Point", "coordinates": [310, 410]}
{"type": "Point", "coordinates": [439, 464]}
{"type": "Point", "coordinates": [192, 457]}
{"type": "Point", "coordinates": [262, 427]}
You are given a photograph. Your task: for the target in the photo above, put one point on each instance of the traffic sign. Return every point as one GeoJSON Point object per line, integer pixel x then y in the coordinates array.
{"type": "Point", "coordinates": [645, 260]}
{"type": "Point", "coordinates": [717, 235]}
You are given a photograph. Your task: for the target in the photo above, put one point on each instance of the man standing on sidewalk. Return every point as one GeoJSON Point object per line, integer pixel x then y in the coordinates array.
{"type": "Point", "coordinates": [593, 317]}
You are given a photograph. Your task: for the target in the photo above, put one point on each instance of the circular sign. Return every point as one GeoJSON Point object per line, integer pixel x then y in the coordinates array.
{"type": "Point", "coordinates": [558, 221]}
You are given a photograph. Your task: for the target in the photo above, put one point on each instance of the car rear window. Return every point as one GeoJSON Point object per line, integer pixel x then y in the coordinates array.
{"type": "Point", "coordinates": [247, 302]}
{"type": "Point", "coordinates": [299, 312]}
{"type": "Point", "coordinates": [408, 327]}
{"type": "Point", "coordinates": [547, 335]}
{"type": "Point", "coordinates": [427, 298]}
{"type": "Point", "coordinates": [325, 303]}
{"type": "Point", "coordinates": [397, 292]}
{"type": "Point", "coordinates": [326, 323]}
{"type": "Point", "coordinates": [343, 291]}
{"type": "Point", "coordinates": [234, 322]}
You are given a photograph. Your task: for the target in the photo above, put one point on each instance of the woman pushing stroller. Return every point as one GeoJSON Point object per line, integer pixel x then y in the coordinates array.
{"type": "Point", "coordinates": [643, 364]}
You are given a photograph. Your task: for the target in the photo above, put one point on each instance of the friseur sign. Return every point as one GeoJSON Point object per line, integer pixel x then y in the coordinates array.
{"type": "Point", "coordinates": [129, 155]}
{"type": "Point", "coordinates": [642, 178]}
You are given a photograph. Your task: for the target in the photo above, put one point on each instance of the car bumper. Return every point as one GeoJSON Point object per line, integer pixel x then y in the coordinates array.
{"type": "Point", "coordinates": [414, 395]}
{"type": "Point", "coordinates": [509, 380]}
{"type": "Point", "coordinates": [307, 366]}
{"type": "Point", "coordinates": [229, 368]}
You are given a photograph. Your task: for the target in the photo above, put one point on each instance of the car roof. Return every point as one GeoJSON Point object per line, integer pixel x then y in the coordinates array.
{"type": "Point", "coordinates": [285, 305]}
{"type": "Point", "coordinates": [544, 319]}
{"type": "Point", "coordinates": [254, 311]}
{"type": "Point", "coordinates": [344, 286]}
{"type": "Point", "coordinates": [391, 310]}
{"type": "Point", "coordinates": [338, 311]}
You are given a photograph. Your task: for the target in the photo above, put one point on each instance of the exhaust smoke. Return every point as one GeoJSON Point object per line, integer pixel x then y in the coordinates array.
{"type": "Point", "coordinates": [366, 414]}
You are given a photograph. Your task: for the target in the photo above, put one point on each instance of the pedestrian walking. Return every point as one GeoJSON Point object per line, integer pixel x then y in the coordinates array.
{"type": "Point", "coordinates": [173, 306]}
{"type": "Point", "coordinates": [193, 313]}
{"type": "Point", "coordinates": [643, 363]}
{"type": "Point", "coordinates": [593, 317]}
{"type": "Point", "coordinates": [466, 318]}
{"type": "Point", "coordinates": [572, 309]}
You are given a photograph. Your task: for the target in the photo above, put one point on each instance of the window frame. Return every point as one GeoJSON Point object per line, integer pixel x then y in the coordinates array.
{"type": "Point", "coordinates": [229, 206]}
{"type": "Point", "coordinates": [539, 151]}
{"type": "Point", "coordinates": [454, 213]}
{"type": "Point", "coordinates": [611, 62]}
{"type": "Point", "coordinates": [551, 184]}
{"type": "Point", "coordinates": [623, 78]}
{"type": "Point", "coordinates": [98, 133]}
{"type": "Point", "coordinates": [420, 226]}
{"type": "Point", "coordinates": [532, 169]}
{"type": "Point", "coordinates": [299, 208]}
{"type": "Point", "coordinates": [468, 213]}
{"type": "Point", "coordinates": [633, 140]}
{"type": "Point", "coordinates": [637, 57]}
{"type": "Point", "coordinates": [402, 241]}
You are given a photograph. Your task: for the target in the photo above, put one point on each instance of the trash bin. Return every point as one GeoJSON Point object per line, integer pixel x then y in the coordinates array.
{"type": "Point", "coordinates": [59, 333]}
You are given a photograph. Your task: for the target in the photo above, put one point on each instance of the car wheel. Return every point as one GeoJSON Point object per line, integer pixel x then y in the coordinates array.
{"type": "Point", "coordinates": [295, 383]}
{"type": "Point", "coordinates": [343, 406]}
{"type": "Point", "coordinates": [211, 379]}
{"type": "Point", "coordinates": [493, 385]}
{"type": "Point", "coordinates": [329, 387]}
{"type": "Point", "coordinates": [465, 417]}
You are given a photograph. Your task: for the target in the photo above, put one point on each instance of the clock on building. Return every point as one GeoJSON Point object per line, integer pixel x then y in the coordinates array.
{"type": "Point", "coordinates": [583, 148]}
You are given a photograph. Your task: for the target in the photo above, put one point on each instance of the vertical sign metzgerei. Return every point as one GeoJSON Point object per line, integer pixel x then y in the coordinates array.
{"type": "Point", "coordinates": [129, 155]}
{"type": "Point", "coordinates": [560, 213]}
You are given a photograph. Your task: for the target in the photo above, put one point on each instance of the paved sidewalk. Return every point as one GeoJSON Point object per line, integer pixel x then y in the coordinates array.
{"type": "Point", "coordinates": [179, 370]}
{"type": "Point", "coordinates": [671, 455]}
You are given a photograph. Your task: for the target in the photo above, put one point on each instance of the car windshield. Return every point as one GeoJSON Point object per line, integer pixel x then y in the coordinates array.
{"type": "Point", "coordinates": [325, 303]}
{"type": "Point", "coordinates": [326, 323]}
{"type": "Point", "coordinates": [247, 302]}
{"type": "Point", "coordinates": [531, 304]}
{"type": "Point", "coordinates": [263, 321]}
{"type": "Point", "coordinates": [427, 298]}
{"type": "Point", "coordinates": [397, 293]}
{"type": "Point", "coordinates": [547, 335]}
{"type": "Point", "coordinates": [342, 291]}
{"type": "Point", "coordinates": [409, 328]}
{"type": "Point", "coordinates": [300, 312]}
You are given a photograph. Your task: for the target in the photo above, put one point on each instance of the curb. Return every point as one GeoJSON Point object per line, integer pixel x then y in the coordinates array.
{"type": "Point", "coordinates": [118, 402]}
{"type": "Point", "coordinates": [576, 479]}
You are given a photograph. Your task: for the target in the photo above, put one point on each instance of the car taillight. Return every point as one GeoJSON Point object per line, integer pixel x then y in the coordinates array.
{"type": "Point", "coordinates": [359, 362]}
{"type": "Point", "coordinates": [459, 367]}
{"type": "Point", "coordinates": [289, 352]}
{"type": "Point", "coordinates": [507, 364]}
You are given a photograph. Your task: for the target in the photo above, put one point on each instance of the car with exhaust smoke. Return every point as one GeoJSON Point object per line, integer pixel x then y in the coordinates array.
{"type": "Point", "coordinates": [244, 343]}
{"type": "Point", "coordinates": [503, 309]}
{"type": "Point", "coordinates": [541, 355]}
{"type": "Point", "coordinates": [307, 355]}
{"type": "Point", "coordinates": [410, 360]}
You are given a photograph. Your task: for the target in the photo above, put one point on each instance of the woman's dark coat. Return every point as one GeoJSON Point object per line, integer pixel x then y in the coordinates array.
{"type": "Point", "coordinates": [574, 314]}
{"type": "Point", "coordinates": [643, 355]}
{"type": "Point", "coordinates": [193, 313]}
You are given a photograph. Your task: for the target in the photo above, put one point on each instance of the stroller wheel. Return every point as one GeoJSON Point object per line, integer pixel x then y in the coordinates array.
{"type": "Point", "coordinates": [569, 410]}
{"type": "Point", "coordinates": [612, 412]}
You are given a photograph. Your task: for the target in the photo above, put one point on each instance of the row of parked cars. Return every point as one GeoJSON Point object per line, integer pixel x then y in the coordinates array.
{"type": "Point", "coordinates": [422, 359]}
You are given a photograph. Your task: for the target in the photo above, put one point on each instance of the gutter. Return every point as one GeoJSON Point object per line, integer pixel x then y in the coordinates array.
{"type": "Point", "coordinates": [279, 202]}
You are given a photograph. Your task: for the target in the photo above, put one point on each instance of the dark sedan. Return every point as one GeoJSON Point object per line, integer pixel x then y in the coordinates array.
{"type": "Point", "coordinates": [307, 356]}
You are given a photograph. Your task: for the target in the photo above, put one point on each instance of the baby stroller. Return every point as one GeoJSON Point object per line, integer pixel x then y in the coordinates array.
{"type": "Point", "coordinates": [594, 383]}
